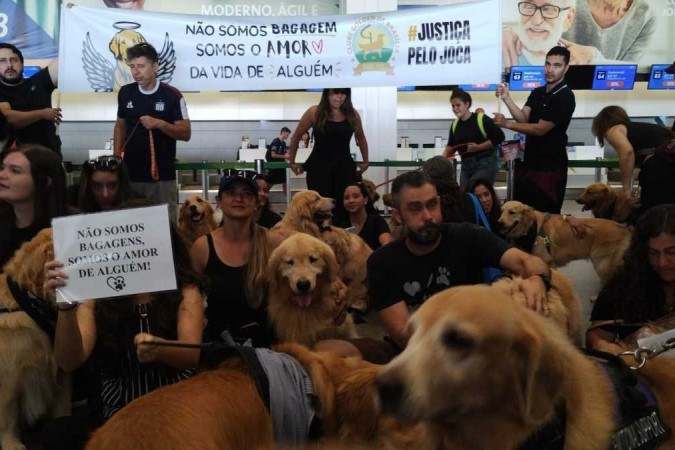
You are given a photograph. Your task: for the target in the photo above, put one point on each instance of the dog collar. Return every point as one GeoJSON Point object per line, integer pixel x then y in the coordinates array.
{"type": "Point", "coordinates": [4, 309]}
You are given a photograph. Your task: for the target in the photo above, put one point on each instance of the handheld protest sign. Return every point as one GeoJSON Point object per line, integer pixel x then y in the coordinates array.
{"type": "Point", "coordinates": [115, 253]}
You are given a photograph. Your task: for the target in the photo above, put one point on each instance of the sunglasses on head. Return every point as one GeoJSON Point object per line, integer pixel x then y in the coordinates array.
{"type": "Point", "coordinates": [240, 173]}
{"type": "Point", "coordinates": [109, 163]}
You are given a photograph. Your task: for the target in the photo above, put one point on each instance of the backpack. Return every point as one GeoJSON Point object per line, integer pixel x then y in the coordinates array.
{"type": "Point", "coordinates": [481, 127]}
{"type": "Point", "coordinates": [490, 274]}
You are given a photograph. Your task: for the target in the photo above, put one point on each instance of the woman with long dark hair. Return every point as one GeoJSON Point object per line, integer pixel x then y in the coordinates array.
{"type": "Point", "coordinates": [363, 217]}
{"type": "Point", "coordinates": [32, 193]}
{"type": "Point", "coordinates": [330, 167]}
{"type": "Point", "coordinates": [650, 147]}
{"type": "Point", "coordinates": [111, 335]}
{"type": "Point", "coordinates": [643, 289]}
{"type": "Point", "coordinates": [104, 184]}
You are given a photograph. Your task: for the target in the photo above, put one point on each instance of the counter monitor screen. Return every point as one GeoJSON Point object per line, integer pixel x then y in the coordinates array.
{"type": "Point", "coordinates": [478, 87]}
{"type": "Point", "coordinates": [526, 78]}
{"type": "Point", "coordinates": [614, 77]}
{"type": "Point", "coordinates": [659, 78]}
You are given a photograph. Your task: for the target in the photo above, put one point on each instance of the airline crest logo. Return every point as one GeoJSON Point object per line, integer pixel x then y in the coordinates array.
{"type": "Point", "coordinates": [373, 41]}
{"type": "Point", "coordinates": [104, 76]}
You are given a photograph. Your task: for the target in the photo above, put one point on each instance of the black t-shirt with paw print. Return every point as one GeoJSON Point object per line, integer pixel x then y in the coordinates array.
{"type": "Point", "coordinates": [395, 274]}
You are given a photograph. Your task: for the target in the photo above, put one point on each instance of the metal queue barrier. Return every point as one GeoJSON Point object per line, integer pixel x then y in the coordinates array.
{"type": "Point", "coordinates": [260, 165]}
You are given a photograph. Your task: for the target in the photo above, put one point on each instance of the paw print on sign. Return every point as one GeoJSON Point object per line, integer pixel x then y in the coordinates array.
{"type": "Point", "coordinates": [116, 283]}
{"type": "Point", "coordinates": [443, 276]}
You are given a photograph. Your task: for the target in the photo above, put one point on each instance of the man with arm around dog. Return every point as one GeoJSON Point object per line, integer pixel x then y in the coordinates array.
{"type": "Point", "coordinates": [433, 256]}
{"type": "Point", "coordinates": [151, 117]}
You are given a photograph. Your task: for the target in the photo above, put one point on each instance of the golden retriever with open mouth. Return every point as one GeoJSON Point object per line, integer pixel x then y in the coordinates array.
{"type": "Point", "coordinates": [221, 409]}
{"type": "Point", "coordinates": [481, 372]}
{"type": "Point", "coordinates": [606, 202]}
{"type": "Point", "coordinates": [303, 299]}
{"type": "Point", "coordinates": [604, 244]}
{"type": "Point", "coordinates": [31, 385]}
{"type": "Point", "coordinates": [311, 213]}
{"type": "Point", "coordinates": [196, 218]}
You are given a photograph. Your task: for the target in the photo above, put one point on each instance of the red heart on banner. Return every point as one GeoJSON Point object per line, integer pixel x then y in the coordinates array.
{"type": "Point", "coordinates": [318, 46]}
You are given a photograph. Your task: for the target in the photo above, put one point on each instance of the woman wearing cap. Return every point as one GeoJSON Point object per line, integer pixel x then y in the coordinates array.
{"type": "Point", "coordinates": [233, 258]}
{"type": "Point", "coordinates": [330, 167]}
{"type": "Point", "coordinates": [648, 146]}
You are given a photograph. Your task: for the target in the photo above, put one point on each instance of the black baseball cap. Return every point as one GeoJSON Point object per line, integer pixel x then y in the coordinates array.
{"type": "Point", "coordinates": [246, 177]}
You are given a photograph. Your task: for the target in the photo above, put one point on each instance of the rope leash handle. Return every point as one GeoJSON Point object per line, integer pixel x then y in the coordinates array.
{"type": "Point", "coordinates": [154, 171]}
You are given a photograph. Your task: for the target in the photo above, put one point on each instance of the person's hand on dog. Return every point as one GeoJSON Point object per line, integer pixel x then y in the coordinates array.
{"type": "Point", "coordinates": [144, 352]}
{"type": "Point", "coordinates": [341, 305]}
{"type": "Point", "coordinates": [54, 278]}
{"type": "Point", "coordinates": [534, 290]}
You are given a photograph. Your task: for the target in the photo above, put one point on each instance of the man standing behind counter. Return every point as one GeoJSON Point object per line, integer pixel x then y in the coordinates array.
{"type": "Point", "coordinates": [26, 103]}
{"type": "Point", "coordinates": [151, 116]}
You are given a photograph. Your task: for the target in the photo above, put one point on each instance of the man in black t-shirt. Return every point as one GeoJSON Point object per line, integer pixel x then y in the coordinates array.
{"type": "Point", "coordinates": [432, 256]}
{"type": "Point", "coordinates": [541, 179]}
{"type": "Point", "coordinates": [27, 102]}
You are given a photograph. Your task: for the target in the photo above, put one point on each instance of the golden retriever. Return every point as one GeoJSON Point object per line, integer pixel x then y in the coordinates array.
{"type": "Point", "coordinates": [563, 303]}
{"type": "Point", "coordinates": [604, 244]}
{"type": "Point", "coordinates": [480, 372]}
{"type": "Point", "coordinates": [605, 202]}
{"type": "Point", "coordinates": [196, 218]}
{"type": "Point", "coordinates": [371, 189]}
{"type": "Point", "coordinates": [303, 294]}
{"type": "Point", "coordinates": [221, 410]}
{"type": "Point", "coordinates": [308, 213]}
{"type": "Point", "coordinates": [31, 386]}
{"type": "Point", "coordinates": [311, 213]}
{"type": "Point", "coordinates": [118, 46]}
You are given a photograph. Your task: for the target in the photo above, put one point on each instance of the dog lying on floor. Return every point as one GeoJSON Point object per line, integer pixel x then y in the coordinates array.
{"type": "Point", "coordinates": [303, 293]}
{"type": "Point", "coordinates": [221, 409]}
{"type": "Point", "coordinates": [604, 244]}
{"type": "Point", "coordinates": [482, 372]}
{"type": "Point", "coordinates": [196, 218]}
{"type": "Point", "coordinates": [606, 202]}
{"type": "Point", "coordinates": [31, 385]}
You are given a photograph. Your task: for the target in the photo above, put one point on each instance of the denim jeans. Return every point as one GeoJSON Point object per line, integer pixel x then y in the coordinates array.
{"type": "Point", "coordinates": [474, 168]}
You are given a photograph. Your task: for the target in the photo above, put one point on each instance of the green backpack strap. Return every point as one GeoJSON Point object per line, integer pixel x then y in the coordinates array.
{"type": "Point", "coordinates": [481, 126]}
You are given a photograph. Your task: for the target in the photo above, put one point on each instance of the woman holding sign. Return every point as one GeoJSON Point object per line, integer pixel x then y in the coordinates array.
{"type": "Point", "coordinates": [113, 335]}
{"type": "Point", "coordinates": [330, 167]}
{"type": "Point", "coordinates": [32, 193]}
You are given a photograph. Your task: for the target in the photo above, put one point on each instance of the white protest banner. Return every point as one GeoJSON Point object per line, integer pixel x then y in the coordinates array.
{"type": "Point", "coordinates": [115, 253]}
{"type": "Point", "coordinates": [440, 45]}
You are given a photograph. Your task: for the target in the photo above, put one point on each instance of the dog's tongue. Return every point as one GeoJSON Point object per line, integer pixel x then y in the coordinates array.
{"type": "Point", "coordinates": [303, 300]}
{"type": "Point", "coordinates": [196, 217]}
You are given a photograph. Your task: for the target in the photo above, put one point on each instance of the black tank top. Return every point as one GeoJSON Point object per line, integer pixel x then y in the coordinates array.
{"type": "Point", "coordinates": [642, 136]}
{"type": "Point", "coordinates": [332, 141]}
{"type": "Point", "coordinates": [227, 307]}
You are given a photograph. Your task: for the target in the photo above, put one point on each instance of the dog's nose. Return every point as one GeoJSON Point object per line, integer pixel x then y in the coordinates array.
{"type": "Point", "coordinates": [193, 208]}
{"type": "Point", "coordinates": [303, 285]}
{"type": "Point", "coordinates": [390, 394]}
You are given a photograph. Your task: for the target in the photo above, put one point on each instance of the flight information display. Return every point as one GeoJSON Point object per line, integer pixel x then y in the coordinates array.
{"type": "Point", "coordinates": [659, 78]}
{"type": "Point", "coordinates": [526, 78]}
{"type": "Point", "coordinates": [614, 77]}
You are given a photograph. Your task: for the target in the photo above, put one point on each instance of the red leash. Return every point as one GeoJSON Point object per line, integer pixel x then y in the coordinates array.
{"type": "Point", "coordinates": [454, 147]}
